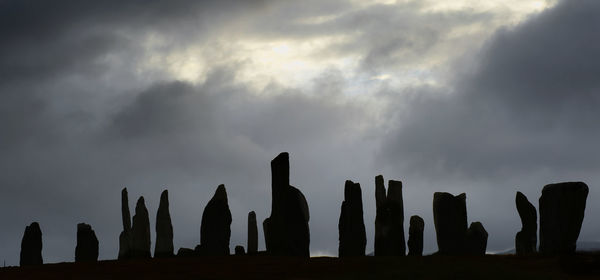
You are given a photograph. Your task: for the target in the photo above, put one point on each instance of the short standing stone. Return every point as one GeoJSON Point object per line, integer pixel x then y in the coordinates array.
{"type": "Point", "coordinates": [87, 244]}
{"type": "Point", "coordinates": [450, 220]}
{"type": "Point", "coordinates": [239, 250]}
{"type": "Point", "coordinates": [352, 234]}
{"type": "Point", "coordinates": [186, 253]}
{"type": "Point", "coordinates": [164, 229]}
{"type": "Point", "coordinates": [31, 245]}
{"type": "Point", "coordinates": [215, 229]}
{"type": "Point", "coordinates": [562, 208]}
{"type": "Point", "coordinates": [476, 239]}
{"type": "Point", "coordinates": [252, 233]}
{"type": "Point", "coordinates": [415, 236]}
{"type": "Point", "coordinates": [140, 231]}
{"type": "Point", "coordinates": [526, 239]}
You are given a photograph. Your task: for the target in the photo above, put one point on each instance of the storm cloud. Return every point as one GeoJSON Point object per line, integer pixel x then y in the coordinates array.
{"type": "Point", "coordinates": [96, 96]}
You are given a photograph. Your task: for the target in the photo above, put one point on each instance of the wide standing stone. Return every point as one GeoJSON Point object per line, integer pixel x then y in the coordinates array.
{"type": "Point", "coordinates": [87, 244]}
{"type": "Point", "coordinates": [389, 220]}
{"type": "Point", "coordinates": [31, 245]}
{"type": "Point", "coordinates": [476, 239]}
{"type": "Point", "coordinates": [352, 234]}
{"type": "Point", "coordinates": [415, 236]}
{"type": "Point", "coordinates": [450, 220]}
{"type": "Point", "coordinates": [140, 231]}
{"type": "Point", "coordinates": [526, 239]}
{"type": "Point", "coordinates": [215, 229]}
{"type": "Point", "coordinates": [252, 233]}
{"type": "Point", "coordinates": [286, 230]}
{"type": "Point", "coordinates": [562, 208]}
{"type": "Point", "coordinates": [164, 229]}
{"type": "Point", "coordinates": [125, 236]}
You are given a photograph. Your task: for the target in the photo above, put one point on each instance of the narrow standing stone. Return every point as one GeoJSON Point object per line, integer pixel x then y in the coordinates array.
{"type": "Point", "coordinates": [163, 247]}
{"type": "Point", "coordinates": [239, 250]}
{"type": "Point", "coordinates": [87, 244]}
{"type": "Point", "coordinates": [415, 236]}
{"type": "Point", "coordinates": [526, 239]}
{"type": "Point", "coordinates": [562, 207]}
{"type": "Point", "coordinates": [140, 231]}
{"type": "Point", "coordinates": [125, 236]}
{"type": "Point", "coordinates": [252, 233]}
{"type": "Point", "coordinates": [215, 230]}
{"type": "Point", "coordinates": [31, 245]}
{"type": "Point", "coordinates": [352, 234]}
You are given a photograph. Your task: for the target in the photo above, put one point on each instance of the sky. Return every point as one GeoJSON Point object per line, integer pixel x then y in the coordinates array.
{"type": "Point", "coordinates": [482, 97]}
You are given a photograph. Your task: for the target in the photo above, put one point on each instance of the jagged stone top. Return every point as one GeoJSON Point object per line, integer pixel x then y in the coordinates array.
{"type": "Point", "coordinates": [394, 192]}
{"type": "Point", "coordinates": [140, 205]}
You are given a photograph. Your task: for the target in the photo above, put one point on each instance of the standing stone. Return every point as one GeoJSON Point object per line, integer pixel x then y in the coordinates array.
{"type": "Point", "coordinates": [389, 220]}
{"type": "Point", "coordinates": [125, 236]}
{"type": "Point", "coordinates": [239, 250]}
{"type": "Point", "coordinates": [140, 232]}
{"type": "Point", "coordinates": [252, 233]}
{"type": "Point", "coordinates": [87, 244]}
{"type": "Point", "coordinates": [215, 229]}
{"type": "Point", "coordinates": [562, 208]}
{"type": "Point", "coordinates": [163, 247]}
{"type": "Point", "coordinates": [415, 236]}
{"type": "Point", "coordinates": [286, 230]}
{"type": "Point", "coordinates": [476, 239]}
{"type": "Point", "coordinates": [31, 245]}
{"type": "Point", "coordinates": [352, 234]}
{"type": "Point", "coordinates": [526, 239]}
{"type": "Point", "coordinates": [450, 220]}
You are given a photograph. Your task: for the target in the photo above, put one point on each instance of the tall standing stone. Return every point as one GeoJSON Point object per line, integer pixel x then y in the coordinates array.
{"type": "Point", "coordinates": [415, 236]}
{"type": "Point", "coordinates": [87, 244]}
{"type": "Point", "coordinates": [476, 239]}
{"type": "Point", "coordinates": [562, 208]}
{"type": "Point", "coordinates": [163, 247]}
{"type": "Point", "coordinates": [31, 245]}
{"type": "Point", "coordinates": [526, 239]}
{"type": "Point", "coordinates": [215, 229]}
{"type": "Point", "coordinates": [352, 234]}
{"type": "Point", "coordinates": [252, 233]}
{"type": "Point", "coordinates": [286, 230]}
{"type": "Point", "coordinates": [140, 232]}
{"type": "Point", "coordinates": [389, 220]}
{"type": "Point", "coordinates": [450, 220]}
{"type": "Point", "coordinates": [125, 236]}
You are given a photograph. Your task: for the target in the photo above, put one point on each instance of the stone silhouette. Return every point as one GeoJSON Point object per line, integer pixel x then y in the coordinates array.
{"type": "Point", "coordinates": [87, 244]}
{"type": "Point", "coordinates": [31, 245]}
{"type": "Point", "coordinates": [562, 207]}
{"type": "Point", "coordinates": [140, 232]}
{"type": "Point", "coordinates": [526, 239]}
{"type": "Point", "coordinates": [450, 220]}
{"type": "Point", "coordinates": [415, 236]}
{"type": "Point", "coordinates": [215, 229]}
{"type": "Point", "coordinates": [389, 219]}
{"type": "Point", "coordinates": [239, 250]}
{"type": "Point", "coordinates": [125, 236]}
{"type": "Point", "coordinates": [476, 239]}
{"type": "Point", "coordinates": [186, 253]}
{"type": "Point", "coordinates": [352, 234]}
{"type": "Point", "coordinates": [286, 230]}
{"type": "Point", "coordinates": [164, 229]}
{"type": "Point", "coordinates": [252, 233]}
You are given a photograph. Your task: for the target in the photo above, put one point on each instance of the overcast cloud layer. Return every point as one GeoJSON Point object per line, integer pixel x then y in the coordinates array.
{"type": "Point", "coordinates": [186, 95]}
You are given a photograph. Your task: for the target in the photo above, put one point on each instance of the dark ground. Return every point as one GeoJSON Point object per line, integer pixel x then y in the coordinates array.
{"type": "Point", "coordinates": [261, 267]}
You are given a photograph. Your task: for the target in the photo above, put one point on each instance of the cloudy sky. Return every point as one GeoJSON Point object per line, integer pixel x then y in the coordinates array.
{"type": "Point", "coordinates": [482, 97]}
